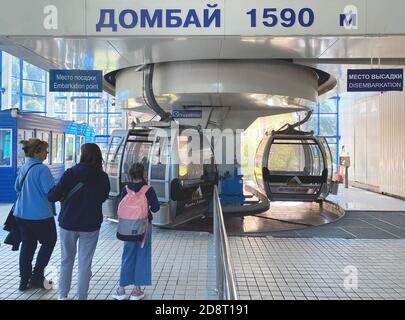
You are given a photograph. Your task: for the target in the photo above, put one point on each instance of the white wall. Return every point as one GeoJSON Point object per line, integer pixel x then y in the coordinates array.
{"type": "Point", "coordinates": [373, 132]}
{"type": "Point", "coordinates": [392, 127]}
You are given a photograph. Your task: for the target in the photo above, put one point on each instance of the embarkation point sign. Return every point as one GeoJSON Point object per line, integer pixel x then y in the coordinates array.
{"type": "Point", "coordinates": [75, 80]}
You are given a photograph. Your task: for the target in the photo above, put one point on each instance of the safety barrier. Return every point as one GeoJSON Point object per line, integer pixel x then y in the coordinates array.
{"type": "Point", "coordinates": [224, 272]}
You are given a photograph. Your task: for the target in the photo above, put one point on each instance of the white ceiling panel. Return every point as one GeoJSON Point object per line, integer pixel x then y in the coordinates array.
{"type": "Point", "coordinates": [148, 50]}
{"type": "Point", "coordinates": [111, 54]}
{"type": "Point", "coordinates": [274, 47]}
{"type": "Point", "coordinates": [367, 47]}
{"type": "Point", "coordinates": [73, 53]}
{"type": "Point", "coordinates": [331, 54]}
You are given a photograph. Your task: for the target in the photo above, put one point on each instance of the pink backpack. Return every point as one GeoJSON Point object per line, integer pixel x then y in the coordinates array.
{"type": "Point", "coordinates": [133, 212]}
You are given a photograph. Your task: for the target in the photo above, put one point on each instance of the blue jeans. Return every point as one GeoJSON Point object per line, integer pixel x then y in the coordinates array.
{"type": "Point", "coordinates": [136, 262]}
{"type": "Point", "coordinates": [87, 247]}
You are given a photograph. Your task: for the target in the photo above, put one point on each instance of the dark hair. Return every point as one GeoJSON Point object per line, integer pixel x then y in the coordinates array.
{"type": "Point", "coordinates": [91, 155]}
{"type": "Point", "coordinates": [33, 146]}
{"type": "Point", "coordinates": [137, 171]}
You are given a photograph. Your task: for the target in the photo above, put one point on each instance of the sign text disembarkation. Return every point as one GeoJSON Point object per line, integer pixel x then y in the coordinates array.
{"type": "Point", "coordinates": [359, 80]}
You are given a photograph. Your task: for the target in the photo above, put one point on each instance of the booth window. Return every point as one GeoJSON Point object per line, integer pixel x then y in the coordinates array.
{"type": "Point", "coordinates": [57, 148]}
{"type": "Point", "coordinates": [5, 148]}
{"type": "Point", "coordinates": [23, 134]}
{"type": "Point", "coordinates": [79, 143]}
{"type": "Point", "coordinates": [45, 136]}
{"type": "Point", "coordinates": [70, 147]}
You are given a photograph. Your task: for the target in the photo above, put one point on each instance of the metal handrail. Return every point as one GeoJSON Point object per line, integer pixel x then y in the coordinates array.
{"type": "Point", "coordinates": [224, 272]}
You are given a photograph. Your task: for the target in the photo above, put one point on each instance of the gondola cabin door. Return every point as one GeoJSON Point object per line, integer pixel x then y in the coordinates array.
{"type": "Point", "coordinates": [159, 167]}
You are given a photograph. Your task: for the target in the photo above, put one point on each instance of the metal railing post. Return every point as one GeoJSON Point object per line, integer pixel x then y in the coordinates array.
{"type": "Point", "coordinates": [225, 281]}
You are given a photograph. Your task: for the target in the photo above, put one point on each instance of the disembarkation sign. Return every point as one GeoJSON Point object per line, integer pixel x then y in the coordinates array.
{"type": "Point", "coordinates": [360, 80]}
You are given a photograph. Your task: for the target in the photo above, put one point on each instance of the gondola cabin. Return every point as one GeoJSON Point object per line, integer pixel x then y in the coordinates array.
{"type": "Point", "coordinates": [184, 189]}
{"type": "Point", "coordinates": [293, 165]}
{"type": "Point", "coordinates": [64, 138]}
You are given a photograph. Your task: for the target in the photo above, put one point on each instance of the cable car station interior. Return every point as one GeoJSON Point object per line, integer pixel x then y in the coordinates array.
{"type": "Point", "coordinates": [275, 144]}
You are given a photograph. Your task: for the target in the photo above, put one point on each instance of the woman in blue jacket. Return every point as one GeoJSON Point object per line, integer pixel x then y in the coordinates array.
{"type": "Point", "coordinates": [34, 214]}
{"type": "Point", "coordinates": [81, 217]}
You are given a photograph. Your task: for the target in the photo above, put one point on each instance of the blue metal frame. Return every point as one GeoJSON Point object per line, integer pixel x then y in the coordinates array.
{"type": "Point", "coordinates": [21, 94]}
{"type": "Point", "coordinates": [1, 80]}
{"type": "Point", "coordinates": [337, 136]}
{"type": "Point", "coordinates": [30, 121]}
{"type": "Point", "coordinates": [337, 130]}
{"type": "Point", "coordinates": [107, 114]}
{"type": "Point", "coordinates": [33, 95]}
{"type": "Point", "coordinates": [317, 115]}
{"type": "Point", "coordinates": [21, 84]}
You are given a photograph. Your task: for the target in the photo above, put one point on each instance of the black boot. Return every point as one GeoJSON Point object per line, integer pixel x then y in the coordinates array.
{"type": "Point", "coordinates": [24, 285]}
{"type": "Point", "coordinates": [40, 283]}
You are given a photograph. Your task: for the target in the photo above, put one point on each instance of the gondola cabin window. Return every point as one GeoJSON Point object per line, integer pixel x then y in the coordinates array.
{"type": "Point", "coordinates": [190, 163]}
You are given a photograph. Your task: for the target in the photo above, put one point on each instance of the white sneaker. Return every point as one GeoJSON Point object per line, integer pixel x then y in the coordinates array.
{"type": "Point", "coordinates": [137, 294]}
{"type": "Point", "coordinates": [48, 284]}
{"type": "Point", "coordinates": [120, 294]}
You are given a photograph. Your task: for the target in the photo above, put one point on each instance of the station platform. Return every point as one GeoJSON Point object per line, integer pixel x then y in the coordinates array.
{"type": "Point", "coordinates": [312, 263]}
{"type": "Point", "coordinates": [352, 214]}
{"type": "Point", "coordinates": [367, 215]}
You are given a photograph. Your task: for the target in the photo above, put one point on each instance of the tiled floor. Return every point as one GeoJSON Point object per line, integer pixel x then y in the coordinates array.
{"type": "Point", "coordinates": [182, 267]}
{"type": "Point", "coordinates": [269, 268]}
{"type": "Point", "coordinates": [265, 267]}
{"type": "Point", "coordinates": [368, 215]}
{"type": "Point", "coordinates": [355, 199]}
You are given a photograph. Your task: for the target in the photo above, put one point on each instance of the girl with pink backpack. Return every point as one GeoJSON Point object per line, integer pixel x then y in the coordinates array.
{"type": "Point", "coordinates": [135, 229]}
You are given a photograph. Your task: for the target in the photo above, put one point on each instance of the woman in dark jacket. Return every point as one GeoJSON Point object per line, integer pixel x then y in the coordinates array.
{"type": "Point", "coordinates": [80, 217]}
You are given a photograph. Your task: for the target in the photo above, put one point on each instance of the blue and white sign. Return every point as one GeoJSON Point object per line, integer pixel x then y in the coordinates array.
{"type": "Point", "coordinates": [75, 81]}
{"type": "Point", "coordinates": [101, 138]}
{"type": "Point", "coordinates": [348, 19]}
{"type": "Point", "coordinates": [360, 80]}
{"type": "Point", "coordinates": [149, 18]}
{"type": "Point", "coordinates": [187, 114]}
